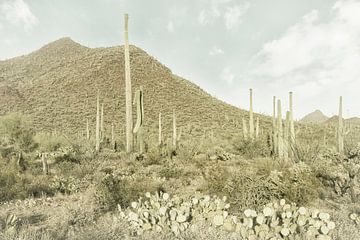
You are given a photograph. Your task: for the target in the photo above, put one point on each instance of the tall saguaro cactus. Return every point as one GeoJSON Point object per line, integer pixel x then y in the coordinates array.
{"type": "Point", "coordinates": [286, 138]}
{"type": "Point", "coordinates": [292, 135]}
{"type": "Point", "coordinates": [257, 128]}
{"type": "Point", "coordinates": [139, 118]}
{"type": "Point", "coordinates": [275, 141]}
{"type": "Point", "coordinates": [129, 122]}
{"type": "Point", "coordinates": [280, 141]}
{"type": "Point", "coordinates": [102, 132]}
{"type": "Point", "coordinates": [174, 137]}
{"type": "Point", "coordinates": [160, 133]}
{"type": "Point", "coordinates": [340, 130]}
{"type": "Point", "coordinates": [251, 119]}
{"type": "Point", "coordinates": [87, 130]}
{"type": "Point", "coordinates": [97, 130]}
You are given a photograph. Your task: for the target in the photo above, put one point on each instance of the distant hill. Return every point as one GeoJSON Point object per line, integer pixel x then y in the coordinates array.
{"type": "Point", "coordinates": [315, 117]}
{"type": "Point", "coordinates": [57, 86]}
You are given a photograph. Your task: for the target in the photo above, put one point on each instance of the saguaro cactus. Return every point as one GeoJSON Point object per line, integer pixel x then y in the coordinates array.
{"type": "Point", "coordinates": [45, 164]}
{"type": "Point", "coordinates": [174, 137]}
{"type": "Point", "coordinates": [251, 118]}
{"type": "Point", "coordinates": [292, 136]}
{"type": "Point", "coordinates": [287, 135]}
{"type": "Point", "coordinates": [97, 130]}
{"type": "Point", "coordinates": [102, 132]}
{"type": "Point", "coordinates": [113, 142]}
{"type": "Point", "coordinates": [280, 131]}
{"type": "Point", "coordinates": [160, 133]}
{"type": "Point", "coordinates": [340, 130]}
{"type": "Point", "coordinates": [87, 130]}
{"type": "Point", "coordinates": [129, 122]}
{"type": "Point", "coordinates": [257, 128]}
{"type": "Point", "coordinates": [140, 118]}
{"type": "Point", "coordinates": [275, 141]}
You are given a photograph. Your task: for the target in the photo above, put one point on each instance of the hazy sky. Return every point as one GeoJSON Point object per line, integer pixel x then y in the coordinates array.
{"type": "Point", "coordinates": [310, 47]}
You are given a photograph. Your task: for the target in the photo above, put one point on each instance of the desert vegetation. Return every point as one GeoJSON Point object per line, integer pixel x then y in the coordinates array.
{"type": "Point", "coordinates": [189, 166]}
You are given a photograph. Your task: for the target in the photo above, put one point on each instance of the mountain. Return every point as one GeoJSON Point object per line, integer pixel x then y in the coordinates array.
{"type": "Point", "coordinates": [57, 86]}
{"type": "Point", "coordinates": [314, 117]}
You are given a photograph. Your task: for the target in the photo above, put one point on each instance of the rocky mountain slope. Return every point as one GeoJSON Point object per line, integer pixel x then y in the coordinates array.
{"type": "Point", "coordinates": [57, 86]}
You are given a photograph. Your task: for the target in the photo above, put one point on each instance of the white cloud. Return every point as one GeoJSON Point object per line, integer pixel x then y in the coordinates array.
{"type": "Point", "coordinates": [208, 16]}
{"type": "Point", "coordinates": [233, 15]}
{"type": "Point", "coordinates": [215, 51]}
{"type": "Point", "coordinates": [17, 12]}
{"type": "Point", "coordinates": [313, 57]}
{"type": "Point", "coordinates": [311, 44]}
{"type": "Point", "coordinates": [170, 27]}
{"type": "Point", "coordinates": [227, 75]}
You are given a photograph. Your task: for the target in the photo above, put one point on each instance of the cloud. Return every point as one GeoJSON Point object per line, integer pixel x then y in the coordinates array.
{"type": "Point", "coordinates": [170, 27]}
{"type": "Point", "coordinates": [316, 50]}
{"type": "Point", "coordinates": [18, 13]}
{"type": "Point", "coordinates": [233, 15]}
{"type": "Point", "coordinates": [208, 16]}
{"type": "Point", "coordinates": [215, 51]}
{"type": "Point", "coordinates": [227, 75]}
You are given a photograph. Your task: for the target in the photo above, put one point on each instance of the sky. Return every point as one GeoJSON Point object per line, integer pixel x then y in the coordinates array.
{"type": "Point", "coordinates": [309, 47]}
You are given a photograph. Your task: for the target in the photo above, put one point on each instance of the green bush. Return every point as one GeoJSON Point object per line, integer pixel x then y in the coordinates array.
{"type": "Point", "coordinates": [252, 148]}
{"type": "Point", "coordinates": [16, 131]}
{"type": "Point", "coordinates": [50, 143]}
{"type": "Point", "coordinates": [112, 190]}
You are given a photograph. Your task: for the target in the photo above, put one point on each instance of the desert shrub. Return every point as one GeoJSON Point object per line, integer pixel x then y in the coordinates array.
{"type": "Point", "coordinates": [169, 172]}
{"type": "Point", "coordinates": [216, 178]}
{"type": "Point", "coordinates": [67, 184]}
{"type": "Point", "coordinates": [306, 150]}
{"type": "Point", "coordinates": [112, 190]}
{"type": "Point", "coordinates": [249, 190]}
{"type": "Point", "coordinates": [17, 132]}
{"type": "Point", "coordinates": [299, 184]}
{"type": "Point", "coordinates": [19, 186]}
{"type": "Point", "coordinates": [49, 142]}
{"type": "Point", "coordinates": [252, 148]}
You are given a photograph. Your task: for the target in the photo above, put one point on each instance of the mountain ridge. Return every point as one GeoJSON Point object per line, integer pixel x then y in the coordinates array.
{"type": "Point", "coordinates": [60, 82]}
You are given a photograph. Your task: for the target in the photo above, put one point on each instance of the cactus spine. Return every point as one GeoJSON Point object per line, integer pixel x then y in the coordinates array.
{"type": "Point", "coordinates": [129, 123]}
{"type": "Point", "coordinates": [140, 118]}
{"type": "Point", "coordinates": [292, 136]}
{"type": "Point", "coordinates": [251, 119]}
{"type": "Point", "coordinates": [97, 130]}
{"type": "Point", "coordinates": [280, 143]}
{"type": "Point", "coordinates": [340, 130]}
{"type": "Point", "coordinates": [174, 138]}
{"type": "Point", "coordinates": [160, 133]}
